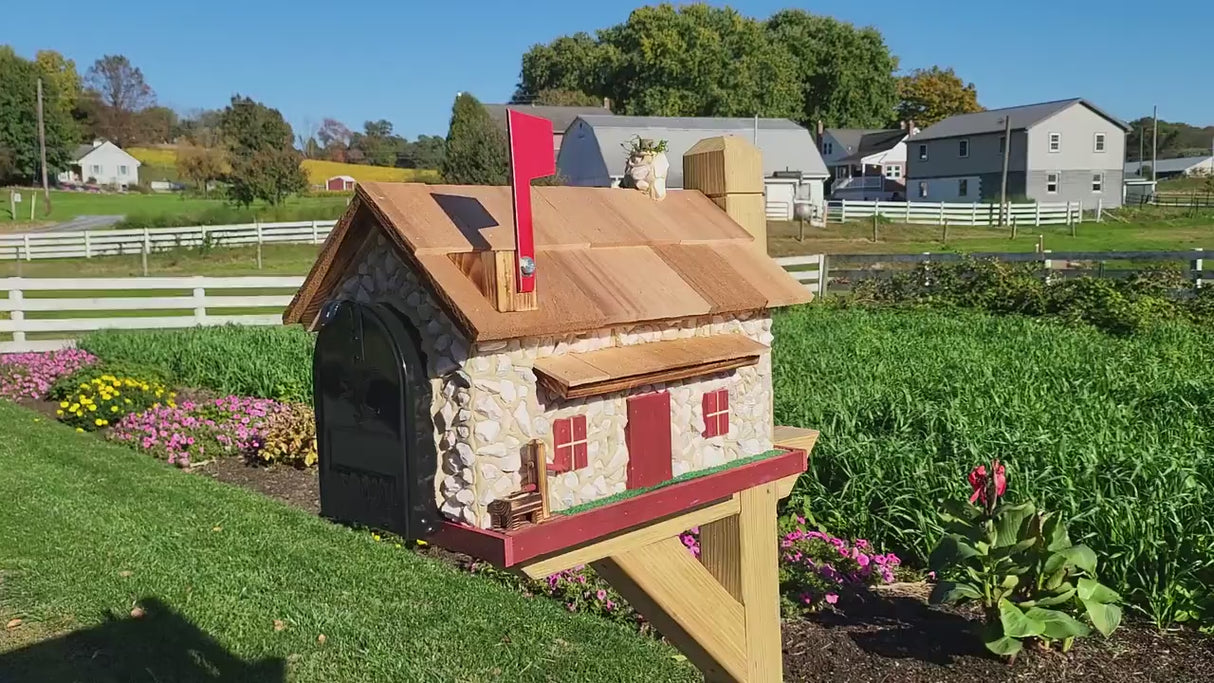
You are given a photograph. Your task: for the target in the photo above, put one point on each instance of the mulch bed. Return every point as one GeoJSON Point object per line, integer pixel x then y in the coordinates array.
{"type": "Point", "coordinates": [893, 637]}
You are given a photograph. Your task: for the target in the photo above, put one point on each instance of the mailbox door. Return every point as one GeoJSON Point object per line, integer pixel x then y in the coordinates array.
{"type": "Point", "coordinates": [377, 455]}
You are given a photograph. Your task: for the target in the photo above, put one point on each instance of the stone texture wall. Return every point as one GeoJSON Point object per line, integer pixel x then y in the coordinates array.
{"type": "Point", "coordinates": [509, 409]}
{"type": "Point", "coordinates": [487, 405]}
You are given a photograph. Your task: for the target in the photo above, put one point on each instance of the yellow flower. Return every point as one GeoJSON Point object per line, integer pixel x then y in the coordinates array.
{"type": "Point", "coordinates": [113, 409]}
{"type": "Point", "coordinates": [172, 404]}
{"type": "Point", "coordinates": [63, 404]}
{"type": "Point", "coordinates": [74, 407]}
{"type": "Point", "coordinates": [99, 422]}
{"type": "Point", "coordinates": [376, 537]}
{"type": "Point", "coordinates": [80, 429]}
{"type": "Point", "coordinates": [126, 401]}
{"type": "Point", "coordinates": [92, 407]}
{"type": "Point", "coordinates": [59, 412]}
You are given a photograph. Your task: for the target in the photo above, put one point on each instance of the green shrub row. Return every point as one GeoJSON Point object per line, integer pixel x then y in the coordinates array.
{"type": "Point", "coordinates": [1115, 433]}
{"type": "Point", "coordinates": [1120, 306]}
{"type": "Point", "coordinates": [263, 362]}
{"type": "Point", "coordinates": [227, 214]}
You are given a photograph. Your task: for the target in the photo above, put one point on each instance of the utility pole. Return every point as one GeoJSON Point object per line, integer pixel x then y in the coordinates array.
{"type": "Point", "coordinates": [1142, 134]}
{"type": "Point", "coordinates": [1154, 140]}
{"type": "Point", "coordinates": [46, 188]}
{"type": "Point", "coordinates": [1007, 152]}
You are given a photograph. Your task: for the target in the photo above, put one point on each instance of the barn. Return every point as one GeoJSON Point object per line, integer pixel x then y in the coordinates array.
{"type": "Point", "coordinates": [340, 183]}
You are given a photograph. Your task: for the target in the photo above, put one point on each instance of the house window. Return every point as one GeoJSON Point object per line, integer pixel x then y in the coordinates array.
{"type": "Point", "coordinates": [1055, 142]}
{"type": "Point", "coordinates": [922, 152]}
{"type": "Point", "coordinates": [828, 148]}
{"type": "Point", "coordinates": [95, 170]}
{"type": "Point", "coordinates": [963, 148]}
{"type": "Point", "coordinates": [1051, 183]}
{"type": "Point", "coordinates": [122, 170]}
{"type": "Point", "coordinates": [922, 189]}
{"type": "Point", "coordinates": [1099, 143]}
{"type": "Point", "coordinates": [716, 413]}
{"type": "Point", "coordinates": [1002, 143]}
{"type": "Point", "coordinates": [1097, 182]}
{"type": "Point", "coordinates": [963, 187]}
{"type": "Point", "coordinates": [893, 172]}
{"type": "Point", "coordinates": [569, 444]}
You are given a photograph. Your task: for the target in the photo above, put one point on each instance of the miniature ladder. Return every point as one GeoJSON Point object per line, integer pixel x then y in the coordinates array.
{"type": "Point", "coordinates": [723, 610]}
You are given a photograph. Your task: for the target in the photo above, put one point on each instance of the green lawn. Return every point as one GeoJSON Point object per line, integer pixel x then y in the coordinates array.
{"type": "Point", "coordinates": [235, 586]}
{"type": "Point", "coordinates": [68, 205]}
{"type": "Point", "coordinates": [1150, 231]}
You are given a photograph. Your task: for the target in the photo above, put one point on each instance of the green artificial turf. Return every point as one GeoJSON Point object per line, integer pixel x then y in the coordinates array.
{"type": "Point", "coordinates": [632, 493]}
{"type": "Point", "coordinates": [235, 586]}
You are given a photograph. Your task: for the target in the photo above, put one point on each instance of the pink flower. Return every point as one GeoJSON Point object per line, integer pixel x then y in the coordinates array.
{"type": "Point", "coordinates": [601, 595]}
{"type": "Point", "coordinates": [831, 598]}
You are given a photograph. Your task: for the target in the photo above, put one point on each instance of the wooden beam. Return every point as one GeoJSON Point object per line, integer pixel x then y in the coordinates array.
{"type": "Point", "coordinates": [758, 558]}
{"type": "Point", "coordinates": [686, 604]}
{"type": "Point", "coordinates": [720, 553]}
{"type": "Point", "coordinates": [630, 540]}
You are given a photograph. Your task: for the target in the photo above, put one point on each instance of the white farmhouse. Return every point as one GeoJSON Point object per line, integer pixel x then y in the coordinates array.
{"type": "Point", "coordinates": [103, 163]}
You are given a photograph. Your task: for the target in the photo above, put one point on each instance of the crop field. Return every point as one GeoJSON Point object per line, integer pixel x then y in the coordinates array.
{"type": "Point", "coordinates": [1116, 433]}
{"type": "Point", "coordinates": [318, 170]}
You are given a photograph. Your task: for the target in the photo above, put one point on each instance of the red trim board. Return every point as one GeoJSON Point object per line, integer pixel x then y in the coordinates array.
{"type": "Point", "coordinates": [506, 549]}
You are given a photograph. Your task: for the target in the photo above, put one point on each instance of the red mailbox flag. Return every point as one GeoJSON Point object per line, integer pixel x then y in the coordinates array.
{"type": "Point", "coordinates": [531, 157]}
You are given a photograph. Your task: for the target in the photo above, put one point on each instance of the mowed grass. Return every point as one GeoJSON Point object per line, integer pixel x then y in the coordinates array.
{"type": "Point", "coordinates": [1150, 230]}
{"type": "Point", "coordinates": [277, 259]}
{"type": "Point", "coordinates": [152, 208]}
{"type": "Point", "coordinates": [236, 586]}
{"type": "Point", "coordinates": [1115, 433]}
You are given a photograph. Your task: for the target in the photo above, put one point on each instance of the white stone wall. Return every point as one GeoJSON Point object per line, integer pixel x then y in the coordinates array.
{"type": "Point", "coordinates": [487, 405]}
{"type": "Point", "coordinates": [509, 409]}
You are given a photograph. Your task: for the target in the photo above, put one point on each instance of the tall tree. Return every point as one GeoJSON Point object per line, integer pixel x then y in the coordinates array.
{"type": "Point", "coordinates": [846, 74]}
{"type": "Point", "coordinates": [426, 152]}
{"type": "Point", "coordinates": [265, 163]}
{"type": "Point", "coordinates": [576, 63]}
{"type": "Point", "coordinates": [201, 165]}
{"type": "Point", "coordinates": [930, 95]}
{"type": "Point", "coordinates": [477, 153]}
{"type": "Point", "coordinates": [378, 145]}
{"type": "Point", "coordinates": [156, 125]}
{"type": "Point", "coordinates": [61, 73]}
{"type": "Point", "coordinates": [561, 98]}
{"type": "Point", "coordinates": [334, 137]}
{"type": "Point", "coordinates": [19, 120]}
{"type": "Point", "coordinates": [122, 93]}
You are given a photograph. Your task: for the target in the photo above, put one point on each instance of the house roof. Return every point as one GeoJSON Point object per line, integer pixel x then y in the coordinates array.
{"type": "Point", "coordinates": [785, 145]}
{"type": "Point", "coordinates": [1173, 165]}
{"type": "Point", "coordinates": [604, 257]}
{"type": "Point", "coordinates": [875, 143]}
{"type": "Point", "coordinates": [561, 117]}
{"type": "Point", "coordinates": [82, 151]}
{"type": "Point", "coordinates": [850, 137]}
{"type": "Point", "coordinates": [991, 120]}
{"type": "Point", "coordinates": [341, 177]}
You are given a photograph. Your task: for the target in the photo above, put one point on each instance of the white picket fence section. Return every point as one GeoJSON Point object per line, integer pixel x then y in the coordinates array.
{"type": "Point", "coordinates": [808, 270]}
{"type": "Point", "coordinates": [89, 243]}
{"type": "Point", "coordinates": [169, 294]}
{"type": "Point", "coordinates": [955, 213]}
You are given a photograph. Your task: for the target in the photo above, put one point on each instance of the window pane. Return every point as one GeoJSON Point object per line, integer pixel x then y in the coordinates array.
{"type": "Point", "coordinates": [923, 189]}
{"type": "Point", "coordinates": [963, 187]}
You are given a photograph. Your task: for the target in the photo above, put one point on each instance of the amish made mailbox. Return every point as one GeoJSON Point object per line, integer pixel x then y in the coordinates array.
{"type": "Point", "coordinates": [374, 433]}
{"type": "Point", "coordinates": [565, 376]}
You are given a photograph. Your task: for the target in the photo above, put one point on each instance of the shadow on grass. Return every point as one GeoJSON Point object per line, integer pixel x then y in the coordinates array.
{"type": "Point", "coordinates": [160, 646]}
{"type": "Point", "coordinates": [906, 628]}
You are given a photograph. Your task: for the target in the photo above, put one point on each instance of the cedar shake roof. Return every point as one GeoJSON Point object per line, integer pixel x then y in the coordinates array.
{"type": "Point", "coordinates": [604, 257]}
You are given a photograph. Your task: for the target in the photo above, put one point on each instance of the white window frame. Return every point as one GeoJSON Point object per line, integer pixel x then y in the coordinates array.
{"type": "Point", "coordinates": [922, 189]}
{"type": "Point", "coordinates": [1055, 143]}
{"type": "Point", "coordinates": [892, 171]}
{"type": "Point", "coordinates": [1057, 175]}
{"type": "Point", "coordinates": [95, 170]}
{"type": "Point", "coordinates": [963, 144]}
{"type": "Point", "coordinates": [1099, 144]}
{"type": "Point", "coordinates": [922, 152]}
{"type": "Point", "coordinates": [963, 187]}
{"type": "Point", "coordinates": [122, 170]}
{"type": "Point", "coordinates": [1097, 183]}
{"type": "Point", "coordinates": [828, 147]}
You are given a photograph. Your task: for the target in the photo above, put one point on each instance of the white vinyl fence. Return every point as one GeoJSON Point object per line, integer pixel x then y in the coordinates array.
{"type": "Point", "coordinates": [89, 243]}
{"type": "Point", "coordinates": [953, 213]}
{"type": "Point", "coordinates": [808, 270]}
{"type": "Point", "coordinates": [51, 309]}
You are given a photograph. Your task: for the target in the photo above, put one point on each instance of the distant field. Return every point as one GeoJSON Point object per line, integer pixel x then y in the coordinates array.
{"type": "Point", "coordinates": [161, 161]}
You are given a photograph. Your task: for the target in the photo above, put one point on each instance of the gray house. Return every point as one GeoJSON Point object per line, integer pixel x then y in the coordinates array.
{"type": "Point", "coordinates": [593, 153]}
{"type": "Point", "coordinates": [561, 117]}
{"type": "Point", "coordinates": [1063, 151]}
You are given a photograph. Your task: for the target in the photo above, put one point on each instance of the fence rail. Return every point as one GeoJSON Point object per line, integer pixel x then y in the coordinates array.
{"type": "Point", "coordinates": [65, 305]}
{"type": "Point", "coordinates": [953, 213]}
{"type": "Point", "coordinates": [89, 243]}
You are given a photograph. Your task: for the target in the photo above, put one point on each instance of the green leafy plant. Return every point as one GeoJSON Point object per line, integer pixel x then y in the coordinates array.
{"type": "Point", "coordinates": [105, 400]}
{"type": "Point", "coordinates": [66, 387]}
{"type": "Point", "coordinates": [289, 437]}
{"type": "Point", "coordinates": [1019, 563]}
{"type": "Point", "coordinates": [639, 146]}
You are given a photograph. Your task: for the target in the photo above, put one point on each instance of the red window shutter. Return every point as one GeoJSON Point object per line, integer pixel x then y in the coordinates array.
{"type": "Point", "coordinates": [562, 450]}
{"type": "Point", "coordinates": [710, 406]}
{"type": "Point", "coordinates": [723, 407]}
{"type": "Point", "coordinates": [578, 423]}
{"type": "Point", "coordinates": [580, 457]}
{"type": "Point", "coordinates": [648, 439]}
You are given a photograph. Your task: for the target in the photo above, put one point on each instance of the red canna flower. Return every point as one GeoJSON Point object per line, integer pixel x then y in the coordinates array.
{"type": "Point", "coordinates": [979, 481]}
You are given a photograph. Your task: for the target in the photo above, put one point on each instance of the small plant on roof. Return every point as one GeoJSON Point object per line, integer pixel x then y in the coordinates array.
{"type": "Point", "coordinates": [639, 146]}
{"type": "Point", "coordinates": [1020, 564]}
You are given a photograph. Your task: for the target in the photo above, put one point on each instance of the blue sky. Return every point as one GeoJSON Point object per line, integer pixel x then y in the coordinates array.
{"type": "Point", "coordinates": [405, 60]}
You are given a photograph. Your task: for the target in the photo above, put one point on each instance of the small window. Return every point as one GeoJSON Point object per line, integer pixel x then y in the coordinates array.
{"type": "Point", "coordinates": [1002, 143]}
{"type": "Point", "coordinates": [922, 188]}
{"type": "Point", "coordinates": [122, 170]}
{"type": "Point", "coordinates": [922, 152]}
{"type": "Point", "coordinates": [716, 413]}
{"type": "Point", "coordinates": [1099, 143]}
{"type": "Point", "coordinates": [568, 444]}
{"type": "Point", "coordinates": [963, 148]}
{"type": "Point", "coordinates": [1055, 142]}
{"type": "Point", "coordinates": [1051, 183]}
{"type": "Point", "coordinates": [829, 148]}
{"type": "Point", "coordinates": [1097, 182]}
{"type": "Point", "coordinates": [95, 169]}
{"type": "Point", "coordinates": [893, 172]}
{"type": "Point", "coordinates": [963, 187]}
